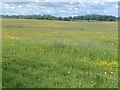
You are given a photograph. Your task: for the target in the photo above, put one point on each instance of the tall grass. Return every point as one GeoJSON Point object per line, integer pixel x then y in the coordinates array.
{"type": "Point", "coordinates": [55, 54]}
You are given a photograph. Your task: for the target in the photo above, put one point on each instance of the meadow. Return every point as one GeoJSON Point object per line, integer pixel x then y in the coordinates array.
{"type": "Point", "coordinates": [59, 54]}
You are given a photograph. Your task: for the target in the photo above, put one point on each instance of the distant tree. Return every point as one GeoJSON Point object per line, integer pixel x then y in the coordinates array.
{"type": "Point", "coordinates": [74, 18]}
{"type": "Point", "coordinates": [60, 18]}
{"type": "Point", "coordinates": [69, 18]}
{"type": "Point", "coordinates": [111, 19]}
{"type": "Point", "coordinates": [65, 19]}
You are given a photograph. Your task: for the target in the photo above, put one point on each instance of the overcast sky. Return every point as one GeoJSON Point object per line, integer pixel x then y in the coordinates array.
{"type": "Point", "coordinates": [60, 8]}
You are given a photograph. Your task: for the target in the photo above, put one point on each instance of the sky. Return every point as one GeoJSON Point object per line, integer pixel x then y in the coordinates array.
{"type": "Point", "coordinates": [72, 8]}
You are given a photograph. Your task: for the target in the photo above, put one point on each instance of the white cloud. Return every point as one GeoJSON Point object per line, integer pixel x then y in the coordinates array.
{"type": "Point", "coordinates": [102, 3]}
{"type": "Point", "coordinates": [12, 7]}
{"type": "Point", "coordinates": [88, 12]}
{"type": "Point", "coordinates": [62, 11]}
{"type": "Point", "coordinates": [5, 6]}
{"type": "Point", "coordinates": [115, 6]}
{"type": "Point", "coordinates": [76, 9]}
{"type": "Point", "coordinates": [58, 9]}
{"type": "Point", "coordinates": [19, 6]}
{"type": "Point", "coordinates": [60, 1]}
{"type": "Point", "coordinates": [105, 11]}
{"type": "Point", "coordinates": [49, 11]}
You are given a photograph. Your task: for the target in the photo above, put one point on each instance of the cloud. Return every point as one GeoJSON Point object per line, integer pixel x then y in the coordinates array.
{"type": "Point", "coordinates": [60, 8]}
{"type": "Point", "coordinates": [88, 12]}
{"type": "Point", "coordinates": [115, 6]}
{"type": "Point", "coordinates": [61, 1]}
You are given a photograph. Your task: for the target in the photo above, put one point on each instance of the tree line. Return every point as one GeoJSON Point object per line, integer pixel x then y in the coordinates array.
{"type": "Point", "coordinates": [92, 17]}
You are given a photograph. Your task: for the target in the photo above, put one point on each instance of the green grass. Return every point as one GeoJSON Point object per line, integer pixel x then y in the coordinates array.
{"type": "Point", "coordinates": [57, 54]}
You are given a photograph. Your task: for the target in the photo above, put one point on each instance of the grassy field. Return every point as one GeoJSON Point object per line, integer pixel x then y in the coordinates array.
{"type": "Point", "coordinates": [58, 54]}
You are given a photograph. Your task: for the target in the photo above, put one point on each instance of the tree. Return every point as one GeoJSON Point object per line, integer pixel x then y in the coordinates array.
{"type": "Point", "coordinates": [59, 18]}
{"type": "Point", "coordinates": [75, 18]}
{"type": "Point", "coordinates": [111, 19]}
{"type": "Point", "coordinates": [69, 18]}
{"type": "Point", "coordinates": [65, 19]}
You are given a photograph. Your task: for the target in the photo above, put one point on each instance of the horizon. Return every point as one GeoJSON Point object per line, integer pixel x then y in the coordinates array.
{"type": "Point", "coordinates": [62, 9]}
{"type": "Point", "coordinates": [59, 16]}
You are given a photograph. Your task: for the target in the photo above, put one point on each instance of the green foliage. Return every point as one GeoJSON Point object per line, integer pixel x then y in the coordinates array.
{"type": "Point", "coordinates": [74, 18]}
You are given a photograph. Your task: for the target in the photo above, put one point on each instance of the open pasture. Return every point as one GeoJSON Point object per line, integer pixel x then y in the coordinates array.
{"type": "Point", "coordinates": [58, 54]}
